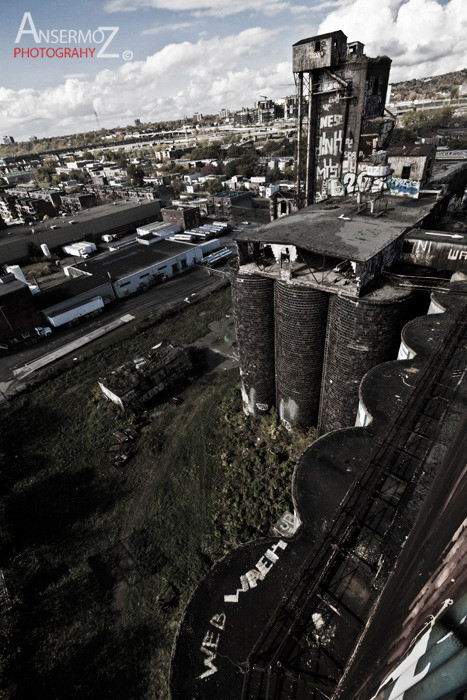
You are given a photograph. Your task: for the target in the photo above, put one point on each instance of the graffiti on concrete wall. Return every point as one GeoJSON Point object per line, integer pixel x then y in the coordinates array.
{"type": "Point", "coordinates": [351, 183]}
{"type": "Point", "coordinates": [331, 141]}
{"type": "Point", "coordinates": [366, 272]}
{"type": "Point", "coordinates": [401, 187]}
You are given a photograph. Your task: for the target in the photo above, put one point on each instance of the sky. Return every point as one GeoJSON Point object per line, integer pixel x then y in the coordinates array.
{"type": "Point", "coordinates": [171, 58]}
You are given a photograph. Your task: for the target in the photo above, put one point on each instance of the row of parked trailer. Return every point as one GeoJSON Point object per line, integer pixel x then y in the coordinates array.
{"type": "Point", "coordinates": [219, 256]}
{"type": "Point", "coordinates": [201, 233]}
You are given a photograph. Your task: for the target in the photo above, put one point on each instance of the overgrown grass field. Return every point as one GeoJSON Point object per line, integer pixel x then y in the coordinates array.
{"type": "Point", "coordinates": [87, 548]}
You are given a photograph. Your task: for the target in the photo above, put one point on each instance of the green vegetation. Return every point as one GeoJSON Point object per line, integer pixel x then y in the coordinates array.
{"type": "Point", "coordinates": [259, 457]}
{"type": "Point", "coordinates": [87, 548]}
{"type": "Point", "coordinates": [135, 176]}
{"type": "Point", "coordinates": [422, 123]}
{"type": "Point", "coordinates": [436, 86]}
{"type": "Point", "coordinates": [39, 269]}
{"type": "Point", "coordinates": [284, 147]}
{"type": "Point", "coordinates": [213, 185]}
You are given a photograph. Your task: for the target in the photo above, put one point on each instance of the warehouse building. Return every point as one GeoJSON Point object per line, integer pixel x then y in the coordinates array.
{"type": "Point", "coordinates": [75, 299]}
{"type": "Point", "coordinates": [88, 224]}
{"type": "Point", "coordinates": [139, 380]}
{"type": "Point", "coordinates": [93, 284]}
{"type": "Point", "coordinates": [138, 267]}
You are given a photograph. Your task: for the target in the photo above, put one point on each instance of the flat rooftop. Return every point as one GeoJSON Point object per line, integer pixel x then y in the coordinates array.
{"type": "Point", "coordinates": [9, 284]}
{"type": "Point", "coordinates": [335, 228]}
{"type": "Point", "coordinates": [134, 257]}
{"type": "Point", "coordinates": [95, 220]}
{"type": "Point", "coordinates": [67, 291]}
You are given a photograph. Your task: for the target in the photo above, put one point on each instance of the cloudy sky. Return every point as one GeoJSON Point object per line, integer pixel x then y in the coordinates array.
{"type": "Point", "coordinates": [196, 55]}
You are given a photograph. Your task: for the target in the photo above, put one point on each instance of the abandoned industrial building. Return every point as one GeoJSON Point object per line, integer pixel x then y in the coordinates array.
{"type": "Point", "coordinates": [138, 380]}
{"type": "Point", "coordinates": [351, 316]}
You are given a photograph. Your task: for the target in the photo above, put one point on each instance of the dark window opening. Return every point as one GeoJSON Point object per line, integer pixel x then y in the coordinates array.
{"type": "Point", "coordinates": [175, 268]}
{"type": "Point", "coordinates": [183, 264]}
{"type": "Point", "coordinates": [317, 45]}
{"type": "Point", "coordinates": [405, 175]}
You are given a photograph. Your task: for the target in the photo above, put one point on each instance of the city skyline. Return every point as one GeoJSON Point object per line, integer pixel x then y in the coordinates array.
{"type": "Point", "coordinates": [191, 56]}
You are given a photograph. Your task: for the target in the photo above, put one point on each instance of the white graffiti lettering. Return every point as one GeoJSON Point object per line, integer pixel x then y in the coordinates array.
{"type": "Point", "coordinates": [250, 579]}
{"type": "Point", "coordinates": [330, 146]}
{"type": "Point", "coordinates": [328, 169]}
{"type": "Point", "coordinates": [330, 120]}
{"type": "Point", "coordinates": [210, 643]}
{"type": "Point", "coordinates": [218, 621]}
{"type": "Point", "coordinates": [208, 661]}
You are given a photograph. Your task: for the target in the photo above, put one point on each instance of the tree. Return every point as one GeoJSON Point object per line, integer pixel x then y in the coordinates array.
{"type": "Point", "coordinates": [275, 174]}
{"type": "Point", "coordinates": [135, 176]}
{"type": "Point", "coordinates": [213, 185]}
{"type": "Point", "coordinates": [88, 155]}
{"type": "Point", "coordinates": [177, 185]}
{"type": "Point", "coordinates": [120, 160]}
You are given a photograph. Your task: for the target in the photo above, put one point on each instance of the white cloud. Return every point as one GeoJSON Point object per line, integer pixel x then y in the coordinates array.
{"type": "Point", "coordinates": [422, 37]}
{"type": "Point", "coordinates": [177, 80]}
{"type": "Point", "coordinates": [214, 8]}
{"type": "Point", "coordinates": [177, 26]}
{"type": "Point", "coordinates": [80, 76]}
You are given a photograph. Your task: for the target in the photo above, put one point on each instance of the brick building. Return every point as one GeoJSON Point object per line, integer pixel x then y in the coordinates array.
{"type": "Point", "coordinates": [185, 217]}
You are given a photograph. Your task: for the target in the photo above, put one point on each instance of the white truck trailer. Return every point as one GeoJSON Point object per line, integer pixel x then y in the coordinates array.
{"type": "Point", "coordinates": [73, 313]}
{"type": "Point", "coordinates": [80, 249]}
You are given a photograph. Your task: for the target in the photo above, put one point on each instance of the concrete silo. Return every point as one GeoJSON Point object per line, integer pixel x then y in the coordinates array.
{"type": "Point", "coordinates": [300, 320]}
{"type": "Point", "coordinates": [253, 299]}
{"type": "Point", "coordinates": [362, 333]}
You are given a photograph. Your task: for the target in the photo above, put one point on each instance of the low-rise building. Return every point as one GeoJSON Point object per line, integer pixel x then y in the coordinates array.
{"type": "Point", "coordinates": [185, 217]}
{"type": "Point", "coordinates": [139, 380]}
{"type": "Point", "coordinates": [412, 163]}
{"type": "Point", "coordinates": [136, 267]}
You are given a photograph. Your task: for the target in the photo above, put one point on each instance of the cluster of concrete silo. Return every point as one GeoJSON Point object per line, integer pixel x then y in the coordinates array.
{"type": "Point", "coordinates": [305, 351]}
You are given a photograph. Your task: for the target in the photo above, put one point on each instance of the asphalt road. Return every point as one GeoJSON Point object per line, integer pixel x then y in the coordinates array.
{"type": "Point", "coordinates": [172, 292]}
